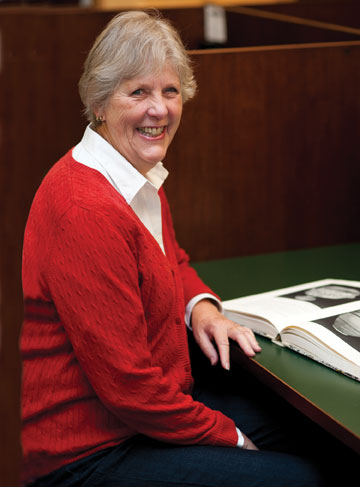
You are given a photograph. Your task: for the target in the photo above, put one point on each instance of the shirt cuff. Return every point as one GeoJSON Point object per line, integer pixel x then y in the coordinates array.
{"type": "Point", "coordinates": [195, 300]}
{"type": "Point", "coordinates": [241, 441]}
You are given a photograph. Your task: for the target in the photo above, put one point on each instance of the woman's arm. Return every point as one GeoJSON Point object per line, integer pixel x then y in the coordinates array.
{"type": "Point", "coordinates": [209, 325]}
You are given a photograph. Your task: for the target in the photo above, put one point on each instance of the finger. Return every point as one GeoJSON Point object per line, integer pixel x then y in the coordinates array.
{"type": "Point", "coordinates": [207, 348]}
{"type": "Point", "coordinates": [248, 332]}
{"type": "Point", "coordinates": [243, 342]}
{"type": "Point", "coordinates": [222, 342]}
{"type": "Point", "coordinates": [248, 444]}
{"type": "Point", "coordinates": [253, 341]}
{"type": "Point", "coordinates": [245, 339]}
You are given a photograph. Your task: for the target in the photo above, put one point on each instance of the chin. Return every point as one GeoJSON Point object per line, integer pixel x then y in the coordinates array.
{"type": "Point", "coordinates": [155, 158]}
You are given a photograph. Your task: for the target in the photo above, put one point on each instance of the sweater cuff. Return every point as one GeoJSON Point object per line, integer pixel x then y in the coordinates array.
{"type": "Point", "coordinates": [195, 300]}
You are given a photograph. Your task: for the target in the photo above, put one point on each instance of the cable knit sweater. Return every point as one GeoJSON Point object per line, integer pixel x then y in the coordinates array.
{"type": "Point", "coordinates": [104, 343]}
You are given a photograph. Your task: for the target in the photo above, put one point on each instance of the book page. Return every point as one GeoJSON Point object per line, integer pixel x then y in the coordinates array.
{"type": "Point", "coordinates": [339, 333]}
{"type": "Point", "coordinates": [326, 295]}
{"type": "Point", "coordinates": [345, 325]}
{"type": "Point", "coordinates": [278, 311]}
{"type": "Point", "coordinates": [297, 304]}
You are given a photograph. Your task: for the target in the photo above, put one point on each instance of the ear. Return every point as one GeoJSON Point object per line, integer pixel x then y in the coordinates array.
{"type": "Point", "coordinates": [99, 114]}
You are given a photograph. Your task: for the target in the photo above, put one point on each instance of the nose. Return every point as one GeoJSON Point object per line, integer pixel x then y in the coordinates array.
{"type": "Point", "coordinates": [158, 107]}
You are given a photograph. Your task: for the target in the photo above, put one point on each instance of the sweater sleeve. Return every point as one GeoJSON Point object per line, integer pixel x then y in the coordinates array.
{"type": "Point", "coordinates": [192, 283]}
{"type": "Point", "coordinates": [94, 282]}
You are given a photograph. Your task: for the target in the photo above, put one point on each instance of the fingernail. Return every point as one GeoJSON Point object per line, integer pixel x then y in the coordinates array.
{"type": "Point", "coordinates": [227, 366]}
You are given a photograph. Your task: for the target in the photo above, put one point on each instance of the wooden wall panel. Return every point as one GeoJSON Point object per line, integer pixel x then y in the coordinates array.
{"type": "Point", "coordinates": [251, 27]}
{"type": "Point", "coordinates": [267, 160]}
{"type": "Point", "coordinates": [340, 12]}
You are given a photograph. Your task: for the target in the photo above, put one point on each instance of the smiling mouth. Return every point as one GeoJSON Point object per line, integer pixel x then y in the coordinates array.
{"type": "Point", "coordinates": [151, 131]}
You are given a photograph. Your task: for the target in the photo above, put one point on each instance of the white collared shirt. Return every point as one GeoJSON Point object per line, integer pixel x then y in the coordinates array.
{"type": "Point", "coordinates": [140, 192]}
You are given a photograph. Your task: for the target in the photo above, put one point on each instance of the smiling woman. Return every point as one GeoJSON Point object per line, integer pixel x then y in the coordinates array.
{"type": "Point", "coordinates": [108, 396]}
{"type": "Point", "coordinates": [120, 54]}
{"type": "Point", "coordinates": [133, 87]}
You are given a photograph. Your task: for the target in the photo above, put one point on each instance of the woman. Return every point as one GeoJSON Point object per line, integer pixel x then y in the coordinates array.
{"type": "Point", "coordinates": [108, 396]}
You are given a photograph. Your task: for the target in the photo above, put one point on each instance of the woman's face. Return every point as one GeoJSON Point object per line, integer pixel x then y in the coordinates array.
{"type": "Point", "coordinates": [142, 116]}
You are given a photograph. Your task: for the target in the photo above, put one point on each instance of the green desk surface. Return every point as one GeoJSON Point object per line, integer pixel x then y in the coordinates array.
{"type": "Point", "coordinates": [326, 396]}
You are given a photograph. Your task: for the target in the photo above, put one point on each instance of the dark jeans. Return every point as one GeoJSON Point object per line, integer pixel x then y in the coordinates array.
{"type": "Point", "coordinates": [291, 449]}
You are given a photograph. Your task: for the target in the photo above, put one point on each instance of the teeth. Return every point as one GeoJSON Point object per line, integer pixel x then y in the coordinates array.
{"type": "Point", "coordinates": [151, 131]}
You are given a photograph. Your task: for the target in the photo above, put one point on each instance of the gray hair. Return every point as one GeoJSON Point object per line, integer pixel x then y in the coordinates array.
{"type": "Point", "coordinates": [133, 44]}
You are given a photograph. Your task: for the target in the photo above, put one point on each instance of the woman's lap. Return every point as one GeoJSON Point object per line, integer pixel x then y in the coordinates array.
{"type": "Point", "coordinates": [154, 464]}
{"type": "Point", "coordinates": [146, 462]}
{"type": "Point", "coordinates": [292, 449]}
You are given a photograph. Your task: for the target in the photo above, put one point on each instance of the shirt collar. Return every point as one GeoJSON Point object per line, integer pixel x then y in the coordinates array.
{"type": "Point", "coordinates": [94, 151]}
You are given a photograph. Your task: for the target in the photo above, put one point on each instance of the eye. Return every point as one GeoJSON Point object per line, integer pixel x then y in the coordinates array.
{"type": "Point", "coordinates": [171, 90]}
{"type": "Point", "coordinates": [137, 92]}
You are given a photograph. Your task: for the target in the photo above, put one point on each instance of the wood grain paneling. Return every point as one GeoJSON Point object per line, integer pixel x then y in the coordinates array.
{"type": "Point", "coordinates": [251, 27]}
{"type": "Point", "coordinates": [340, 12]}
{"type": "Point", "coordinates": [268, 159]}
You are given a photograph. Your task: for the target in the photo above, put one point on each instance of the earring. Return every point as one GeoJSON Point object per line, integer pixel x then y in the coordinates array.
{"type": "Point", "coordinates": [100, 119]}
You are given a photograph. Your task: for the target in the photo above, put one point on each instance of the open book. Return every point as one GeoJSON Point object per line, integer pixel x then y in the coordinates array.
{"type": "Point", "coordinates": [319, 319]}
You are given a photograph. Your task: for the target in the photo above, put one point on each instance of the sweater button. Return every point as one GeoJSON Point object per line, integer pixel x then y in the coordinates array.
{"type": "Point", "coordinates": [178, 321]}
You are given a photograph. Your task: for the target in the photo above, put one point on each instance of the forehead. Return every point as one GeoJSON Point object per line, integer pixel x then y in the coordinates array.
{"type": "Point", "coordinates": [164, 75]}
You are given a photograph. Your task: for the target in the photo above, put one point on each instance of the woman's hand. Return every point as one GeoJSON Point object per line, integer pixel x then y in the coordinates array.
{"type": "Point", "coordinates": [248, 444]}
{"type": "Point", "coordinates": [211, 327]}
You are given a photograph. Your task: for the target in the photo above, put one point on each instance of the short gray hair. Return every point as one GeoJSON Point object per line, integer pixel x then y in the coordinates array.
{"type": "Point", "coordinates": [132, 44]}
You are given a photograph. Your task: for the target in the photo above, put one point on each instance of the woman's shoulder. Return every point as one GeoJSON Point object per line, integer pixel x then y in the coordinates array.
{"type": "Point", "coordinates": [74, 196]}
{"type": "Point", "coordinates": [71, 184]}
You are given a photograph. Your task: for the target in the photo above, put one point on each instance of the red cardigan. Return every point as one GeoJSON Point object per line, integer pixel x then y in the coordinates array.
{"type": "Point", "coordinates": [104, 344]}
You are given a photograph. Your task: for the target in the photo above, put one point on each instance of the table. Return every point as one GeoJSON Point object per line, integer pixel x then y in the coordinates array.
{"type": "Point", "coordinates": [327, 397]}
